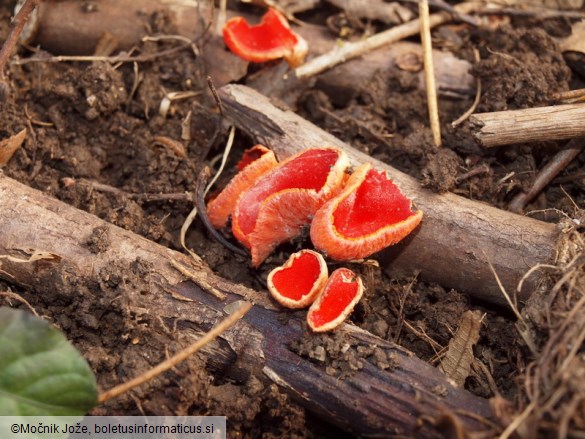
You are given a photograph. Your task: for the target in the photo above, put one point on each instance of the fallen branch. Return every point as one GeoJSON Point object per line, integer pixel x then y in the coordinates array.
{"type": "Point", "coordinates": [449, 246]}
{"type": "Point", "coordinates": [529, 125]}
{"type": "Point", "coordinates": [150, 290]}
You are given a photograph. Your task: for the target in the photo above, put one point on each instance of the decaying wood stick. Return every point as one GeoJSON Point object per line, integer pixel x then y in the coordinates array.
{"type": "Point", "coordinates": [529, 125]}
{"type": "Point", "coordinates": [369, 402]}
{"type": "Point", "coordinates": [456, 235]}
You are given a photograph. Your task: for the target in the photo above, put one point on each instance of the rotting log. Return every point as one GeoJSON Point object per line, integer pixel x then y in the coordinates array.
{"type": "Point", "coordinates": [557, 122]}
{"type": "Point", "coordinates": [458, 237]}
{"type": "Point", "coordinates": [402, 400]}
{"type": "Point", "coordinates": [68, 28]}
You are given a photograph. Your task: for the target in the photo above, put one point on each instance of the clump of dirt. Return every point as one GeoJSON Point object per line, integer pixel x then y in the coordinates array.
{"type": "Point", "coordinates": [519, 68]}
{"type": "Point", "coordinates": [440, 172]}
{"type": "Point", "coordinates": [340, 356]}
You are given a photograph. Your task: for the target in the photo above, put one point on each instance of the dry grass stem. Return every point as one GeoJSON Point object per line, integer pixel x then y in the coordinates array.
{"type": "Point", "coordinates": [431, 86]}
{"type": "Point", "coordinates": [19, 298]}
{"type": "Point", "coordinates": [475, 103]}
{"type": "Point", "coordinates": [178, 358]}
{"type": "Point", "coordinates": [512, 303]}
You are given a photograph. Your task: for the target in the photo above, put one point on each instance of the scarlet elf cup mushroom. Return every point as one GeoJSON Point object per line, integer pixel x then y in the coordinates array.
{"type": "Point", "coordinates": [271, 39]}
{"type": "Point", "coordinates": [254, 164]}
{"type": "Point", "coordinates": [343, 291]}
{"type": "Point", "coordinates": [368, 215]}
{"type": "Point", "coordinates": [298, 282]}
{"type": "Point", "coordinates": [285, 199]}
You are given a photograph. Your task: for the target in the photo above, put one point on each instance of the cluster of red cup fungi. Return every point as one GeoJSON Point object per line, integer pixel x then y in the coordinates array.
{"type": "Point", "coordinates": [350, 217]}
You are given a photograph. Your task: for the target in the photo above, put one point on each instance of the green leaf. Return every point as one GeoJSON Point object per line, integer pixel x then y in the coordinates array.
{"type": "Point", "coordinates": [41, 373]}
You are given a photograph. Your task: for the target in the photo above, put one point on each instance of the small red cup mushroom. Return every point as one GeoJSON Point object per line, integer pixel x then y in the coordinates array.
{"type": "Point", "coordinates": [255, 162]}
{"type": "Point", "coordinates": [271, 39]}
{"type": "Point", "coordinates": [368, 215]}
{"type": "Point", "coordinates": [342, 292]}
{"type": "Point", "coordinates": [297, 283]}
{"type": "Point", "coordinates": [285, 199]}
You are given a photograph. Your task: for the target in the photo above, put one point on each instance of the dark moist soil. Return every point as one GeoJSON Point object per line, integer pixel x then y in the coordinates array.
{"type": "Point", "coordinates": [95, 142]}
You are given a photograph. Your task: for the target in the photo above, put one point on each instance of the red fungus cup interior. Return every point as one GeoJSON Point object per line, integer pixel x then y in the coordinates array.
{"type": "Point", "coordinates": [342, 291]}
{"type": "Point", "coordinates": [270, 39]}
{"type": "Point", "coordinates": [307, 171]}
{"type": "Point", "coordinates": [297, 281]}
{"type": "Point", "coordinates": [271, 33]}
{"type": "Point", "coordinates": [377, 203]}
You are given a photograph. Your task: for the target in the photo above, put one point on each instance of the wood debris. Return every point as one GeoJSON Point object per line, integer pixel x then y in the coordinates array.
{"type": "Point", "coordinates": [9, 146]}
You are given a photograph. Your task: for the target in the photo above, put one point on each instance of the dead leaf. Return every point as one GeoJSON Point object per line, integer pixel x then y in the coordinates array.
{"type": "Point", "coordinates": [9, 146]}
{"type": "Point", "coordinates": [457, 361]}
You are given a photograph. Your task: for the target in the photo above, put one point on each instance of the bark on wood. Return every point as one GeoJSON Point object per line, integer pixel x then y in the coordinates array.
{"type": "Point", "coordinates": [457, 239]}
{"type": "Point", "coordinates": [529, 125]}
{"type": "Point", "coordinates": [65, 28]}
{"type": "Point", "coordinates": [370, 402]}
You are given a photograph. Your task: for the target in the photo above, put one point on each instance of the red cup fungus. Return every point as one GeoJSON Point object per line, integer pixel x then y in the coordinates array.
{"type": "Point", "coordinates": [255, 162]}
{"type": "Point", "coordinates": [297, 283]}
{"type": "Point", "coordinates": [271, 39]}
{"type": "Point", "coordinates": [369, 214]}
{"type": "Point", "coordinates": [285, 199]}
{"type": "Point", "coordinates": [342, 292]}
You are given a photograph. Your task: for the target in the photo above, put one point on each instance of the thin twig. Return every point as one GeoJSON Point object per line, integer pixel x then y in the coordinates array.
{"type": "Point", "coordinates": [512, 304]}
{"type": "Point", "coordinates": [349, 51]}
{"type": "Point", "coordinates": [475, 103]}
{"type": "Point", "coordinates": [559, 162]}
{"type": "Point", "coordinates": [19, 298]}
{"type": "Point", "coordinates": [179, 357]}
{"type": "Point", "coordinates": [193, 214]}
{"type": "Point", "coordinates": [226, 153]}
{"type": "Point", "coordinates": [443, 5]}
{"type": "Point", "coordinates": [569, 96]}
{"type": "Point", "coordinates": [481, 169]}
{"type": "Point", "coordinates": [122, 58]}
{"type": "Point", "coordinates": [19, 21]}
{"type": "Point", "coordinates": [427, 44]}
{"type": "Point", "coordinates": [532, 11]}
{"type": "Point", "coordinates": [202, 211]}
{"type": "Point", "coordinates": [149, 197]}
{"type": "Point", "coordinates": [214, 93]}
